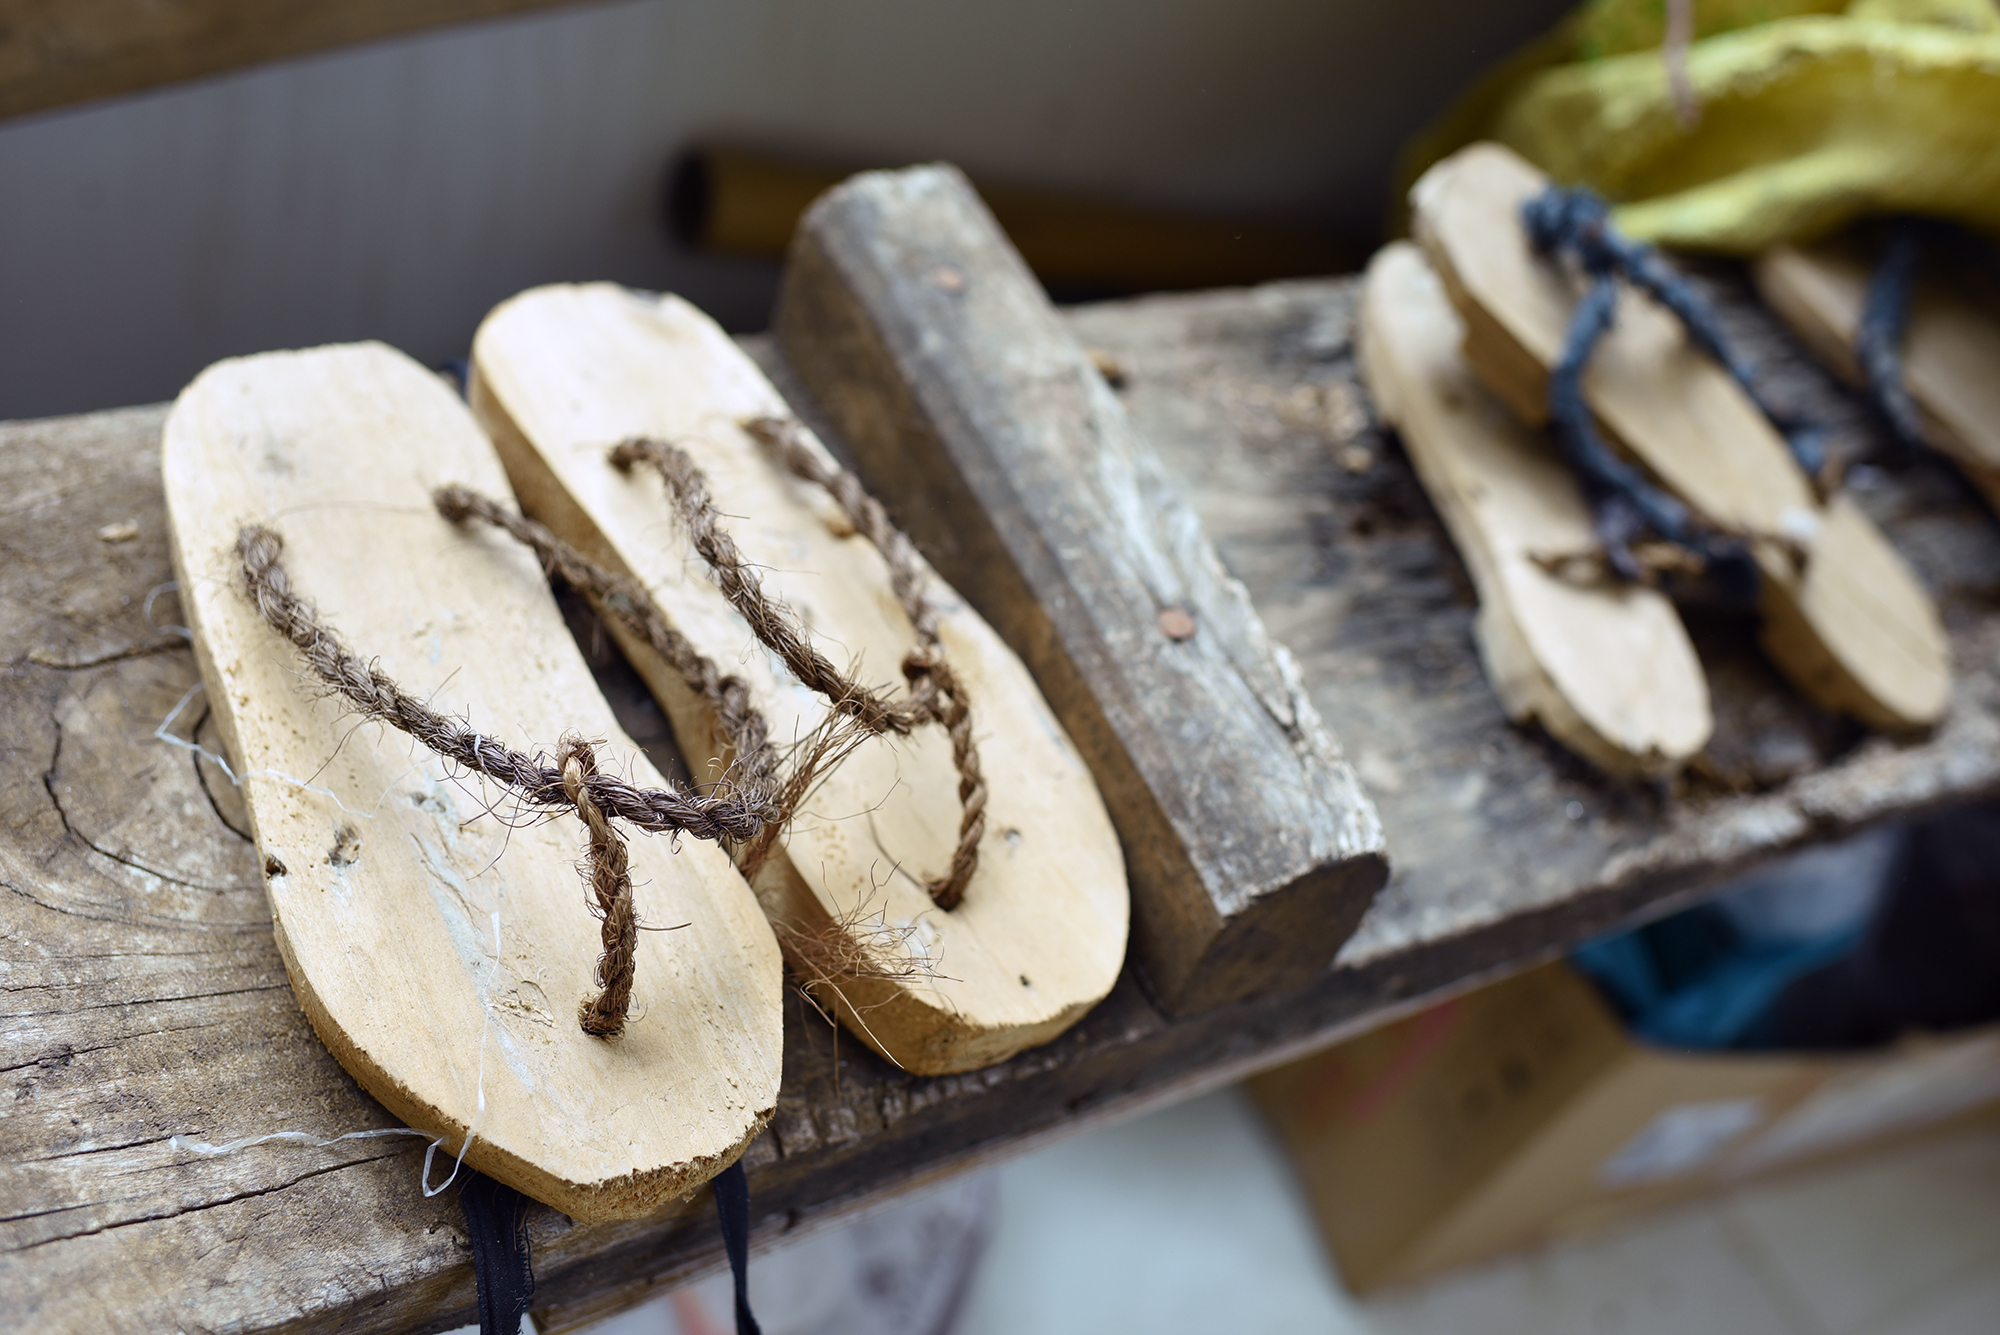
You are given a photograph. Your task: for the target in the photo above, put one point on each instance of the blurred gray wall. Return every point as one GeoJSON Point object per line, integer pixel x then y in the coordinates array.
{"type": "Point", "coordinates": [396, 191]}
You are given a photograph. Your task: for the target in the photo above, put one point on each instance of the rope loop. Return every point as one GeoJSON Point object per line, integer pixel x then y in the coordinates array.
{"type": "Point", "coordinates": [610, 877]}
{"type": "Point", "coordinates": [573, 782]}
{"type": "Point", "coordinates": [935, 694]}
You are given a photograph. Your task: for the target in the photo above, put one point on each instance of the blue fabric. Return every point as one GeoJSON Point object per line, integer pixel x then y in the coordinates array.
{"type": "Point", "coordinates": [1706, 996]}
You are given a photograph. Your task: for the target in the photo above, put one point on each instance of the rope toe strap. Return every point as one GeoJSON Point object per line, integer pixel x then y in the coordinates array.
{"type": "Point", "coordinates": [936, 694]}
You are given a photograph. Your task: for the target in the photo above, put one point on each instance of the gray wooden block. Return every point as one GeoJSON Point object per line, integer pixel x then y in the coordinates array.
{"type": "Point", "coordinates": [978, 419]}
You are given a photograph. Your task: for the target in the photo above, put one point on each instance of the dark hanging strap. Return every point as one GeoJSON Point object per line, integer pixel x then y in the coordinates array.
{"type": "Point", "coordinates": [1885, 317]}
{"type": "Point", "coordinates": [496, 1219]}
{"type": "Point", "coordinates": [732, 1208]}
{"type": "Point", "coordinates": [1626, 504]}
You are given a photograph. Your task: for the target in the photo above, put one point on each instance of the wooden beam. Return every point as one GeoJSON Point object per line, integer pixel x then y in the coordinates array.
{"type": "Point", "coordinates": [737, 202]}
{"type": "Point", "coordinates": [978, 419]}
{"type": "Point", "coordinates": [56, 53]}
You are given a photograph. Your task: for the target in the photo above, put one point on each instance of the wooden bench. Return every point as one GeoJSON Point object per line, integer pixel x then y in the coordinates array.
{"type": "Point", "coordinates": [144, 997]}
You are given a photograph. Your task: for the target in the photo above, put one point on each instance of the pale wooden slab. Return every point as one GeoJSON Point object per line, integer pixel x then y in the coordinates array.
{"type": "Point", "coordinates": [440, 949]}
{"type": "Point", "coordinates": [1850, 624]}
{"type": "Point", "coordinates": [1951, 351]}
{"type": "Point", "coordinates": [565, 373]}
{"type": "Point", "coordinates": [1608, 670]}
{"type": "Point", "coordinates": [974, 414]}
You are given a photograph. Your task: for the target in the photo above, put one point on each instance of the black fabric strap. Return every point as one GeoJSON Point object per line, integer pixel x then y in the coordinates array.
{"type": "Point", "coordinates": [1624, 502]}
{"type": "Point", "coordinates": [1878, 341]}
{"type": "Point", "coordinates": [732, 1208]}
{"type": "Point", "coordinates": [496, 1220]}
{"type": "Point", "coordinates": [1578, 222]}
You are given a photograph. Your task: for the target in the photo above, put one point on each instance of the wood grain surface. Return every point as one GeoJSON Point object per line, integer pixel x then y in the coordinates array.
{"type": "Point", "coordinates": [144, 996]}
{"type": "Point", "coordinates": [976, 418]}
{"type": "Point", "coordinates": [562, 374]}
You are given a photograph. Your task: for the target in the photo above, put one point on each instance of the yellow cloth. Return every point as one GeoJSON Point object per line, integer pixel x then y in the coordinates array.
{"type": "Point", "coordinates": [1809, 118]}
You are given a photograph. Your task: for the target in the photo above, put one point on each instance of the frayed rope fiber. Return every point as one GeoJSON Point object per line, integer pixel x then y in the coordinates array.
{"type": "Point", "coordinates": [532, 779]}
{"type": "Point", "coordinates": [573, 783]}
{"type": "Point", "coordinates": [757, 771]}
{"type": "Point", "coordinates": [611, 883]}
{"type": "Point", "coordinates": [936, 693]}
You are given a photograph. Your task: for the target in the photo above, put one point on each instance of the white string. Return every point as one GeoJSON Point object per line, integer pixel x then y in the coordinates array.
{"type": "Point", "coordinates": [171, 586]}
{"type": "Point", "coordinates": [203, 1148]}
{"type": "Point", "coordinates": [161, 734]}
{"type": "Point", "coordinates": [479, 1087]}
{"type": "Point", "coordinates": [206, 1150]}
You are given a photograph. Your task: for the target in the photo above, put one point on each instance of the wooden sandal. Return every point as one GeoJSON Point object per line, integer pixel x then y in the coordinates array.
{"type": "Point", "coordinates": [1951, 351]}
{"type": "Point", "coordinates": [1606, 668]}
{"type": "Point", "coordinates": [1843, 616]}
{"type": "Point", "coordinates": [440, 947]}
{"type": "Point", "coordinates": [562, 375]}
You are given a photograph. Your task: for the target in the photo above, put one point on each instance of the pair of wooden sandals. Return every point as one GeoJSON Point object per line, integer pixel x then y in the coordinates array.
{"type": "Point", "coordinates": [436, 931]}
{"type": "Point", "coordinates": [1460, 334]}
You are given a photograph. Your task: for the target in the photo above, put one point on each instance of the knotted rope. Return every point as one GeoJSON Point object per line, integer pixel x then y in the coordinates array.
{"type": "Point", "coordinates": [936, 694]}
{"type": "Point", "coordinates": [1576, 223]}
{"type": "Point", "coordinates": [611, 883]}
{"type": "Point", "coordinates": [533, 780]}
{"type": "Point", "coordinates": [749, 813]}
{"type": "Point", "coordinates": [758, 770]}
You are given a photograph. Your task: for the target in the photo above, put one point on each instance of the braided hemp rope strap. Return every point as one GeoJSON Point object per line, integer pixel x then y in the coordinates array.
{"type": "Point", "coordinates": [532, 779]}
{"type": "Point", "coordinates": [611, 883]}
{"type": "Point", "coordinates": [574, 784]}
{"type": "Point", "coordinates": [936, 694]}
{"type": "Point", "coordinates": [758, 771]}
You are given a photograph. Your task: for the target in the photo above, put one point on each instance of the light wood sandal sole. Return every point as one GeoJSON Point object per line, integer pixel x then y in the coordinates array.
{"type": "Point", "coordinates": [440, 948]}
{"type": "Point", "coordinates": [563, 374]}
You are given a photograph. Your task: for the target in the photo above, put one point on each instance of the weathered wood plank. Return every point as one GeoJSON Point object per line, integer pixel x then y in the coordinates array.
{"type": "Point", "coordinates": [975, 415]}
{"type": "Point", "coordinates": [57, 52]}
{"type": "Point", "coordinates": [143, 996]}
